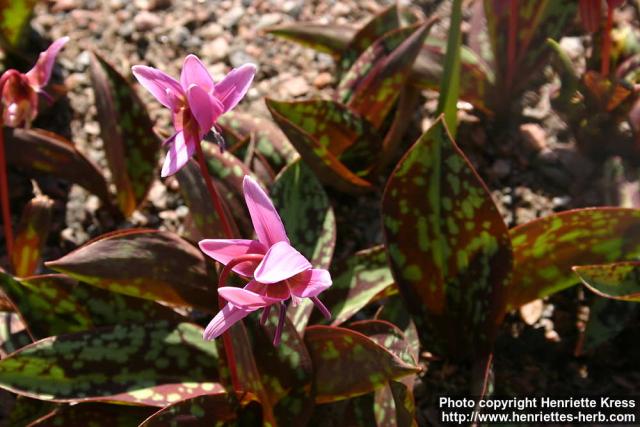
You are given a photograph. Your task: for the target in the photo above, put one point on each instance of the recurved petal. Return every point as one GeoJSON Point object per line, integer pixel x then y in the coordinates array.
{"type": "Point", "coordinates": [309, 283]}
{"type": "Point", "coordinates": [195, 73]}
{"type": "Point", "coordinates": [224, 250]}
{"type": "Point", "coordinates": [280, 263]}
{"type": "Point", "coordinates": [248, 299]}
{"type": "Point", "coordinates": [180, 151]}
{"type": "Point", "coordinates": [41, 72]}
{"type": "Point", "coordinates": [235, 85]}
{"type": "Point", "coordinates": [165, 88]}
{"type": "Point", "coordinates": [204, 107]}
{"type": "Point", "coordinates": [265, 218]}
{"type": "Point", "coordinates": [223, 321]}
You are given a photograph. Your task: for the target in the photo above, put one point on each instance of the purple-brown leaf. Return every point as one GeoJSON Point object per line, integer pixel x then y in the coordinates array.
{"type": "Point", "coordinates": [40, 152]}
{"type": "Point", "coordinates": [348, 364]}
{"type": "Point", "coordinates": [32, 234]}
{"type": "Point", "coordinates": [149, 264]}
{"type": "Point", "coordinates": [131, 146]}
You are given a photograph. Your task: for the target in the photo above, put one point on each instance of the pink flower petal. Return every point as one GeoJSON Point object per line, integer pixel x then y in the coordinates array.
{"type": "Point", "coordinates": [235, 85]}
{"type": "Point", "coordinates": [309, 283]}
{"type": "Point", "coordinates": [39, 75]}
{"type": "Point", "coordinates": [195, 73]}
{"type": "Point", "coordinates": [180, 151]}
{"type": "Point", "coordinates": [204, 107]}
{"type": "Point", "coordinates": [249, 300]}
{"type": "Point", "coordinates": [265, 218]}
{"type": "Point", "coordinates": [165, 88]}
{"type": "Point", "coordinates": [224, 250]}
{"type": "Point", "coordinates": [281, 262]}
{"type": "Point", "coordinates": [223, 321]}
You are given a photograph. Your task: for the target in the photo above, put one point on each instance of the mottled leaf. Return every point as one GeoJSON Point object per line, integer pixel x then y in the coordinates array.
{"type": "Point", "coordinates": [607, 318]}
{"type": "Point", "coordinates": [40, 152]}
{"type": "Point", "coordinates": [203, 218]}
{"type": "Point", "coordinates": [545, 249]}
{"type": "Point", "coordinates": [387, 335]}
{"type": "Point", "coordinates": [270, 141]}
{"type": "Point", "coordinates": [285, 370]}
{"type": "Point", "coordinates": [228, 173]}
{"type": "Point", "coordinates": [408, 102]}
{"type": "Point", "coordinates": [130, 145]}
{"type": "Point", "coordinates": [331, 39]}
{"type": "Point", "coordinates": [248, 375]}
{"type": "Point", "coordinates": [15, 17]}
{"type": "Point", "coordinates": [95, 415]}
{"type": "Point", "coordinates": [150, 264]}
{"type": "Point", "coordinates": [395, 312]}
{"type": "Point", "coordinates": [357, 282]}
{"type": "Point", "coordinates": [521, 58]}
{"type": "Point", "coordinates": [448, 246]}
{"type": "Point", "coordinates": [393, 404]}
{"type": "Point", "coordinates": [154, 364]}
{"type": "Point", "coordinates": [371, 86]}
{"type": "Point", "coordinates": [54, 304]}
{"type": "Point", "coordinates": [45, 310]}
{"type": "Point", "coordinates": [310, 223]}
{"type": "Point", "coordinates": [347, 363]}
{"type": "Point", "coordinates": [225, 410]}
{"type": "Point", "coordinates": [620, 280]}
{"type": "Point", "coordinates": [378, 26]}
{"type": "Point", "coordinates": [31, 236]}
{"type": "Point", "coordinates": [306, 213]}
{"type": "Point", "coordinates": [318, 153]}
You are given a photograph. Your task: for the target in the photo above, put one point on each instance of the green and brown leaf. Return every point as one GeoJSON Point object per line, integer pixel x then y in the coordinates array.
{"type": "Point", "coordinates": [448, 246]}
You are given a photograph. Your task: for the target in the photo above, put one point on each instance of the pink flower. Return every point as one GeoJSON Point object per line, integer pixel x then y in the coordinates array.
{"type": "Point", "coordinates": [19, 92]}
{"type": "Point", "coordinates": [196, 102]}
{"type": "Point", "coordinates": [276, 270]}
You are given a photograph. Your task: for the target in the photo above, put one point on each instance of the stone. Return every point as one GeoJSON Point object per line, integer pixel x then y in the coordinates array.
{"type": "Point", "coordinates": [533, 136]}
{"type": "Point", "coordinates": [146, 21]}
{"type": "Point", "coordinates": [232, 17]}
{"type": "Point", "coordinates": [217, 50]}
{"type": "Point", "coordinates": [297, 86]}
{"type": "Point", "coordinates": [322, 80]}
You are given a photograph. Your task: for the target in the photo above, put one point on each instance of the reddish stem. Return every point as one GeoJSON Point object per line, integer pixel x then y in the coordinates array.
{"type": "Point", "coordinates": [512, 40]}
{"type": "Point", "coordinates": [217, 205]}
{"type": "Point", "coordinates": [4, 198]}
{"type": "Point", "coordinates": [213, 193]}
{"type": "Point", "coordinates": [605, 54]}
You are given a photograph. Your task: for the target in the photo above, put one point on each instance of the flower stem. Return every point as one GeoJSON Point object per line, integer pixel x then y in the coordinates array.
{"type": "Point", "coordinates": [217, 205]}
{"type": "Point", "coordinates": [4, 198]}
{"type": "Point", "coordinates": [213, 193]}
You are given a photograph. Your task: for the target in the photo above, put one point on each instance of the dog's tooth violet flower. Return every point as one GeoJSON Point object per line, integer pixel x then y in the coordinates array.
{"type": "Point", "coordinates": [196, 103]}
{"type": "Point", "coordinates": [276, 270]}
{"type": "Point", "coordinates": [19, 92]}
